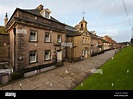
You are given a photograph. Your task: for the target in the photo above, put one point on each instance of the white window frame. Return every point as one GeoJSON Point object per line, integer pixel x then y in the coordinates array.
{"type": "Point", "coordinates": [49, 38]}
{"type": "Point", "coordinates": [59, 40]}
{"type": "Point", "coordinates": [35, 57]}
{"type": "Point", "coordinates": [35, 38]}
{"type": "Point", "coordinates": [49, 55]}
{"type": "Point", "coordinates": [46, 14]}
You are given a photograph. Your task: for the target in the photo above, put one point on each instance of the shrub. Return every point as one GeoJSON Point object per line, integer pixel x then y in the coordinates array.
{"type": "Point", "coordinates": [17, 75]}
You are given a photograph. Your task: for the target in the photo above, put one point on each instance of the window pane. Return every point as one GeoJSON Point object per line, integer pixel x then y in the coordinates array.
{"type": "Point", "coordinates": [32, 57]}
{"type": "Point", "coordinates": [33, 36]}
{"type": "Point", "coordinates": [59, 39]}
{"type": "Point", "coordinates": [47, 37]}
{"type": "Point", "coordinates": [47, 55]}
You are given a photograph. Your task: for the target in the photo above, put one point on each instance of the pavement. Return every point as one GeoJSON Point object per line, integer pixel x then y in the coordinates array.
{"type": "Point", "coordinates": [62, 78]}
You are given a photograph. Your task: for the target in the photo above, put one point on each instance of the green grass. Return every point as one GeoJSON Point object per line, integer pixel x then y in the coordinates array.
{"type": "Point", "coordinates": [114, 71]}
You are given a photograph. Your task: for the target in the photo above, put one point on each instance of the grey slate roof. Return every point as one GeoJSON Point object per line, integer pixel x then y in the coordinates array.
{"type": "Point", "coordinates": [37, 12]}
{"type": "Point", "coordinates": [71, 31]}
{"type": "Point", "coordinates": [70, 28]}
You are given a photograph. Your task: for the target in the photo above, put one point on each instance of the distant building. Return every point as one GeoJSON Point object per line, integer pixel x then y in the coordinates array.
{"type": "Point", "coordinates": [35, 39]}
{"type": "Point", "coordinates": [97, 44]}
{"type": "Point", "coordinates": [111, 41]}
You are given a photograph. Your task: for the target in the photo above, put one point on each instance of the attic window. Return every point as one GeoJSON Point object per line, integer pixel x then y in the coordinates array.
{"type": "Point", "coordinates": [46, 14]}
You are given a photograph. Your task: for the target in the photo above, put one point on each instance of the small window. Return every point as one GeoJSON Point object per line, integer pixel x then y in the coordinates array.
{"type": "Point", "coordinates": [59, 39]}
{"type": "Point", "coordinates": [33, 35]}
{"type": "Point", "coordinates": [47, 55]}
{"type": "Point", "coordinates": [47, 37]}
{"type": "Point", "coordinates": [83, 41]}
{"type": "Point", "coordinates": [86, 41]}
{"type": "Point", "coordinates": [81, 25]}
{"type": "Point", "coordinates": [46, 14]}
{"type": "Point", "coordinates": [33, 56]}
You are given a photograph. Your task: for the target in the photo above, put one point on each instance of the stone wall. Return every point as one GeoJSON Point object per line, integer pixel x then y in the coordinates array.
{"type": "Point", "coordinates": [4, 47]}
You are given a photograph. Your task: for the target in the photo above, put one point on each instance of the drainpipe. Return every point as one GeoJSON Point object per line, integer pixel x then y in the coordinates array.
{"type": "Point", "coordinates": [14, 31]}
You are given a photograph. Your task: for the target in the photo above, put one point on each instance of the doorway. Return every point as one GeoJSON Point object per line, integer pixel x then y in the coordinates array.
{"type": "Point", "coordinates": [59, 55]}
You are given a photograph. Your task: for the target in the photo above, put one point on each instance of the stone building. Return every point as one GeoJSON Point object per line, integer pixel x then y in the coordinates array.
{"type": "Point", "coordinates": [4, 42]}
{"type": "Point", "coordinates": [4, 47]}
{"type": "Point", "coordinates": [35, 39]}
{"type": "Point", "coordinates": [97, 43]}
{"type": "Point", "coordinates": [79, 37]}
{"type": "Point", "coordinates": [112, 43]}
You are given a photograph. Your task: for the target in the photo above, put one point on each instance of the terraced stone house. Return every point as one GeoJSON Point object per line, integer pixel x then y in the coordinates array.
{"type": "Point", "coordinates": [35, 39]}
{"type": "Point", "coordinates": [80, 38]}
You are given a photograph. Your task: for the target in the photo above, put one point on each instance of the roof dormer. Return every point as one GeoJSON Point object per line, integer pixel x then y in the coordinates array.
{"type": "Point", "coordinates": [45, 13]}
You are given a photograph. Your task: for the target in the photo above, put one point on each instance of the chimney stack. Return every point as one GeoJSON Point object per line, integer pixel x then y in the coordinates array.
{"type": "Point", "coordinates": [40, 7]}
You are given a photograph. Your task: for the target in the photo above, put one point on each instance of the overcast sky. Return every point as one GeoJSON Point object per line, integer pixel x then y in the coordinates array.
{"type": "Point", "coordinates": [106, 17]}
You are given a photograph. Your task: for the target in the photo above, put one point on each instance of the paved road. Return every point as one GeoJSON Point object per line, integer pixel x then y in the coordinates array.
{"type": "Point", "coordinates": [63, 78]}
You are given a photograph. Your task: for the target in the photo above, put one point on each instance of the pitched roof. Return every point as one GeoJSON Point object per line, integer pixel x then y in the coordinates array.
{"type": "Point", "coordinates": [71, 31]}
{"type": "Point", "coordinates": [37, 12]}
{"type": "Point", "coordinates": [70, 28]}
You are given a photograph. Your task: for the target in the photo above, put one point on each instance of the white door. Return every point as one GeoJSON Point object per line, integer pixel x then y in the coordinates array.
{"type": "Point", "coordinates": [59, 56]}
